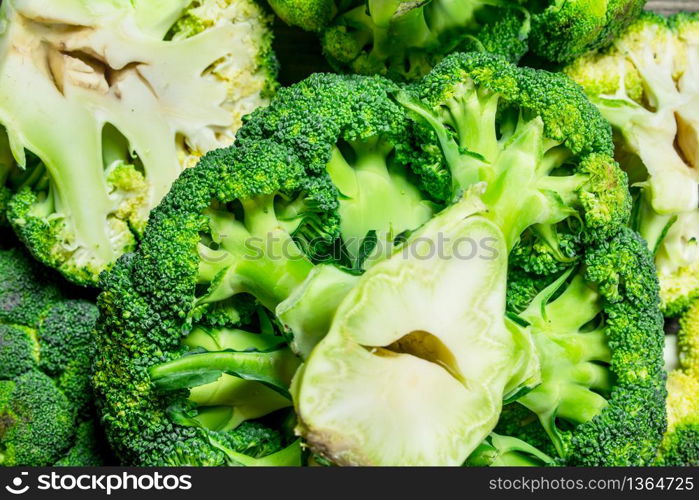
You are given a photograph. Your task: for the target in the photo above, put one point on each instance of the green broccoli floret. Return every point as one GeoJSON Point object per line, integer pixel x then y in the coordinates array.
{"type": "Point", "coordinates": [108, 120]}
{"type": "Point", "coordinates": [46, 356]}
{"type": "Point", "coordinates": [645, 85]}
{"type": "Point", "coordinates": [599, 338]}
{"type": "Point", "coordinates": [531, 155]}
{"type": "Point", "coordinates": [564, 30]}
{"type": "Point", "coordinates": [680, 446]}
{"type": "Point", "coordinates": [404, 39]}
{"type": "Point", "coordinates": [277, 227]}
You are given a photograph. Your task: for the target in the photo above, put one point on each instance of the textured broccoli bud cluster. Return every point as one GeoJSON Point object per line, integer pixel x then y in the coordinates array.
{"type": "Point", "coordinates": [46, 356]}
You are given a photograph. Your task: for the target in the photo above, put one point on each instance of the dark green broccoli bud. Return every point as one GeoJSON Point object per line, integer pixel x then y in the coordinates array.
{"type": "Point", "coordinates": [644, 84]}
{"type": "Point", "coordinates": [36, 420]}
{"type": "Point", "coordinates": [81, 193]}
{"type": "Point", "coordinates": [404, 40]}
{"type": "Point", "coordinates": [311, 15]}
{"type": "Point", "coordinates": [84, 452]}
{"type": "Point", "coordinates": [46, 359]}
{"type": "Point", "coordinates": [599, 337]}
{"type": "Point", "coordinates": [254, 247]}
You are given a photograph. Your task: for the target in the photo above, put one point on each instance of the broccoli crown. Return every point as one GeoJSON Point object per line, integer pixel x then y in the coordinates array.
{"type": "Point", "coordinates": [531, 156]}
{"type": "Point", "coordinates": [145, 90]}
{"type": "Point", "coordinates": [599, 336]}
{"type": "Point", "coordinates": [46, 356]}
{"type": "Point", "coordinates": [644, 84]}
{"type": "Point", "coordinates": [680, 443]}
{"type": "Point", "coordinates": [278, 225]}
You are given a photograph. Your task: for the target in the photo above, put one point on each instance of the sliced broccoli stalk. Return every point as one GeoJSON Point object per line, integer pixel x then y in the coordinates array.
{"type": "Point", "coordinates": [574, 354]}
{"type": "Point", "coordinates": [368, 392]}
{"type": "Point", "coordinates": [645, 85]}
{"type": "Point", "coordinates": [674, 240]}
{"type": "Point", "coordinates": [307, 313]}
{"type": "Point", "coordinates": [122, 92]}
{"type": "Point", "coordinates": [232, 376]}
{"type": "Point", "coordinates": [506, 451]}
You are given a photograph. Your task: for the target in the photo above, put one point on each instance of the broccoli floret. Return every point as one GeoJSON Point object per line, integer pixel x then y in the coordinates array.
{"type": "Point", "coordinates": [46, 357]}
{"type": "Point", "coordinates": [531, 155]}
{"type": "Point", "coordinates": [278, 228]}
{"type": "Point", "coordinates": [564, 30]}
{"type": "Point", "coordinates": [645, 85]}
{"type": "Point", "coordinates": [599, 337]}
{"type": "Point", "coordinates": [120, 97]}
{"type": "Point", "coordinates": [680, 446]}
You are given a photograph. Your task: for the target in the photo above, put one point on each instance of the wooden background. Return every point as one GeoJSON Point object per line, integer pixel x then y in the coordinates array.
{"type": "Point", "coordinates": [299, 54]}
{"type": "Point", "coordinates": [669, 6]}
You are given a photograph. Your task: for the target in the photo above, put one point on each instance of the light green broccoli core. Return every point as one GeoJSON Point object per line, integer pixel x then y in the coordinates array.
{"type": "Point", "coordinates": [510, 154]}
{"type": "Point", "coordinates": [574, 353]}
{"type": "Point", "coordinates": [375, 195]}
{"type": "Point", "coordinates": [232, 376]}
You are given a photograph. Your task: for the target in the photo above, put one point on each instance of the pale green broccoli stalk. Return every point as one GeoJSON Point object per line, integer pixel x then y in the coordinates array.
{"type": "Point", "coordinates": [646, 86]}
{"type": "Point", "coordinates": [117, 99]}
{"type": "Point", "coordinates": [232, 376]}
{"type": "Point", "coordinates": [420, 353]}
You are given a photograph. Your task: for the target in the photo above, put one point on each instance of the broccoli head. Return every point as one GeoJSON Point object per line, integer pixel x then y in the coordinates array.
{"type": "Point", "coordinates": [46, 356]}
{"type": "Point", "coordinates": [645, 85]}
{"type": "Point", "coordinates": [599, 335]}
{"type": "Point", "coordinates": [243, 265]}
{"type": "Point", "coordinates": [529, 159]}
{"type": "Point", "coordinates": [117, 99]}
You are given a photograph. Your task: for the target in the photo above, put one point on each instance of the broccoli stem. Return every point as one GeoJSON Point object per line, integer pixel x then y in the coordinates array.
{"type": "Point", "coordinates": [363, 176]}
{"type": "Point", "coordinates": [506, 451]}
{"type": "Point", "coordinates": [573, 361]}
{"type": "Point", "coordinates": [273, 368]}
{"type": "Point", "coordinates": [255, 255]}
